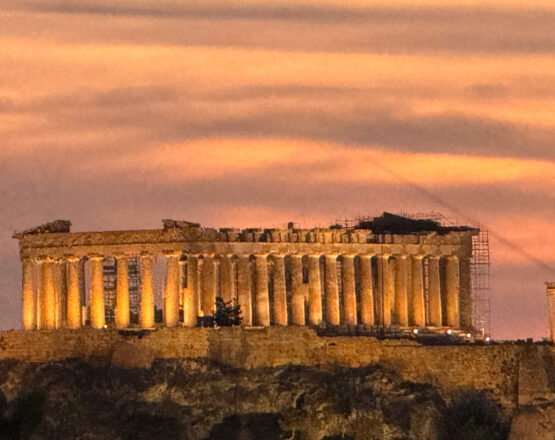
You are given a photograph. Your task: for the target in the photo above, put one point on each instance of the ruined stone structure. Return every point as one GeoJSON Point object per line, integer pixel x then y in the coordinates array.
{"type": "Point", "coordinates": [390, 272]}
{"type": "Point", "coordinates": [551, 309]}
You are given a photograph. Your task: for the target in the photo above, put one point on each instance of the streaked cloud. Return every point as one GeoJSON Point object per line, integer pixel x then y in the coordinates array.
{"type": "Point", "coordinates": [118, 114]}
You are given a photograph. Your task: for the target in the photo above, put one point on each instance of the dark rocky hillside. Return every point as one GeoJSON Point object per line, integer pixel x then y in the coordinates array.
{"type": "Point", "coordinates": [201, 399]}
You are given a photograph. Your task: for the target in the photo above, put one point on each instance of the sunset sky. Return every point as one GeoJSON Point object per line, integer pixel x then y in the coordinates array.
{"type": "Point", "coordinates": [116, 114]}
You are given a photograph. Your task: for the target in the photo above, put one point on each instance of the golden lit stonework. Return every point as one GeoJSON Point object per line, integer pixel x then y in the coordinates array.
{"type": "Point", "coordinates": [392, 272]}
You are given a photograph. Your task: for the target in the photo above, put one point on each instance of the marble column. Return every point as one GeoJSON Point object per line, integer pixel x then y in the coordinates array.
{"type": "Point", "coordinates": [348, 290]}
{"type": "Point", "coordinates": [217, 271]}
{"type": "Point", "coordinates": [226, 278]}
{"type": "Point", "coordinates": [199, 284]}
{"type": "Point", "coordinates": [434, 296]}
{"type": "Point", "coordinates": [262, 301]}
{"type": "Point", "coordinates": [29, 300]}
{"type": "Point", "coordinates": [122, 292]}
{"type": "Point", "coordinates": [171, 289]}
{"type": "Point", "coordinates": [452, 291]}
{"type": "Point", "coordinates": [465, 293]}
{"type": "Point", "coordinates": [182, 288]}
{"type": "Point", "coordinates": [314, 290]}
{"type": "Point", "coordinates": [61, 293]}
{"type": "Point", "coordinates": [401, 290]}
{"type": "Point", "coordinates": [97, 292]}
{"type": "Point", "coordinates": [244, 288]}
{"type": "Point", "coordinates": [297, 291]}
{"type": "Point", "coordinates": [388, 289]}
{"type": "Point", "coordinates": [190, 299]}
{"type": "Point", "coordinates": [279, 306]}
{"type": "Point", "coordinates": [73, 294]}
{"type": "Point", "coordinates": [331, 298]}
{"type": "Point", "coordinates": [48, 296]}
{"type": "Point", "coordinates": [146, 314]}
{"type": "Point", "coordinates": [418, 308]}
{"type": "Point", "coordinates": [39, 293]}
{"type": "Point", "coordinates": [366, 291]}
{"type": "Point", "coordinates": [208, 292]}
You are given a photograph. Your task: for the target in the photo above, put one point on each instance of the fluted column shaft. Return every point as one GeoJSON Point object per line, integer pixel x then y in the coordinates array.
{"type": "Point", "coordinates": [279, 306]}
{"type": "Point", "coordinates": [122, 292]}
{"type": "Point", "coordinates": [226, 278]}
{"type": "Point", "coordinates": [434, 300]}
{"type": "Point", "coordinates": [61, 293]}
{"type": "Point", "coordinates": [465, 294]}
{"type": "Point", "coordinates": [452, 287]}
{"type": "Point", "coordinates": [297, 291]}
{"type": "Point", "coordinates": [147, 292]}
{"type": "Point", "coordinates": [348, 289]}
{"type": "Point", "coordinates": [29, 300]}
{"type": "Point", "coordinates": [401, 290]}
{"type": "Point", "coordinates": [262, 301]}
{"type": "Point", "coordinates": [190, 299]}
{"type": "Point", "coordinates": [388, 292]}
{"type": "Point", "coordinates": [39, 293]}
{"type": "Point", "coordinates": [48, 296]}
{"type": "Point", "coordinates": [418, 310]}
{"type": "Point", "coordinates": [314, 290]}
{"type": "Point", "coordinates": [244, 288]}
{"type": "Point", "coordinates": [73, 294]}
{"type": "Point", "coordinates": [331, 299]}
{"type": "Point", "coordinates": [208, 297]}
{"type": "Point", "coordinates": [97, 293]}
{"type": "Point", "coordinates": [366, 291]}
{"type": "Point", "coordinates": [171, 290]}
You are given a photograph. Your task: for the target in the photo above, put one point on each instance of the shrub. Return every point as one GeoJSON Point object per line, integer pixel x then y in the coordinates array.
{"type": "Point", "coordinates": [471, 416]}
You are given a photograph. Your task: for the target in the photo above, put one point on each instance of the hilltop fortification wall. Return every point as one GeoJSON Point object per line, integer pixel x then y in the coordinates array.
{"type": "Point", "coordinates": [515, 374]}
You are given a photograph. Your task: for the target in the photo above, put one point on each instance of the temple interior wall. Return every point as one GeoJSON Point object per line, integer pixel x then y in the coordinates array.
{"type": "Point", "coordinates": [515, 374]}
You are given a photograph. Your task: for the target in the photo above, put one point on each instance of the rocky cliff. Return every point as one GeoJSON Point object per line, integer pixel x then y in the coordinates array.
{"type": "Point", "coordinates": [276, 383]}
{"type": "Point", "coordinates": [203, 399]}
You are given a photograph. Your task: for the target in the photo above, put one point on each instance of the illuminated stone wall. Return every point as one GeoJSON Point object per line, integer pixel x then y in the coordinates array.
{"type": "Point", "coordinates": [515, 374]}
{"type": "Point", "coordinates": [342, 276]}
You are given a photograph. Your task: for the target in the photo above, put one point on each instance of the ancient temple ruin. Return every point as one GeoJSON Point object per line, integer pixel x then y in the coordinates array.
{"type": "Point", "coordinates": [388, 272]}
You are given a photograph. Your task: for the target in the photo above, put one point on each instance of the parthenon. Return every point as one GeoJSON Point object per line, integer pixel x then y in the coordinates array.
{"type": "Point", "coordinates": [389, 272]}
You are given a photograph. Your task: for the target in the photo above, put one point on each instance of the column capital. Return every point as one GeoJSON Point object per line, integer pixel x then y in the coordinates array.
{"type": "Point", "coordinates": [434, 257]}
{"type": "Point", "coordinates": [366, 255]}
{"type": "Point", "coordinates": [44, 259]}
{"type": "Point", "coordinates": [121, 256]}
{"type": "Point", "coordinates": [418, 256]}
{"type": "Point", "coordinates": [146, 258]}
{"type": "Point", "coordinates": [348, 255]}
{"type": "Point", "coordinates": [72, 258]}
{"type": "Point", "coordinates": [95, 257]}
{"type": "Point", "coordinates": [172, 253]}
{"type": "Point", "coordinates": [385, 255]}
{"type": "Point", "coordinates": [453, 257]}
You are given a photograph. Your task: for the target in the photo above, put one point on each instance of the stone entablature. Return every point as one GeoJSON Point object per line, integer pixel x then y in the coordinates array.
{"type": "Point", "coordinates": [336, 276]}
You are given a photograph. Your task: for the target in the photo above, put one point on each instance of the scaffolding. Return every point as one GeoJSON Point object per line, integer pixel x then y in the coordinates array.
{"type": "Point", "coordinates": [109, 276]}
{"type": "Point", "coordinates": [479, 266]}
{"type": "Point", "coordinates": [479, 276]}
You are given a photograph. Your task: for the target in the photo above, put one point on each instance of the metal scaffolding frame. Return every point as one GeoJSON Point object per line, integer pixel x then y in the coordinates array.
{"type": "Point", "coordinates": [479, 266]}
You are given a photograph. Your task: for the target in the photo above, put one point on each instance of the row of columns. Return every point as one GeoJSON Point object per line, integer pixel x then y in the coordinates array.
{"type": "Point", "coordinates": [398, 294]}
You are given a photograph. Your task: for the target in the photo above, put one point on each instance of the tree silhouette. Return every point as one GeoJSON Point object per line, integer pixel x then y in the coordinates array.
{"type": "Point", "coordinates": [226, 314]}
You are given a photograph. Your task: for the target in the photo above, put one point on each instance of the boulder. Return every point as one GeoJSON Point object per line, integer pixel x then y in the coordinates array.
{"type": "Point", "coordinates": [534, 422]}
{"type": "Point", "coordinates": [128, 355]}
